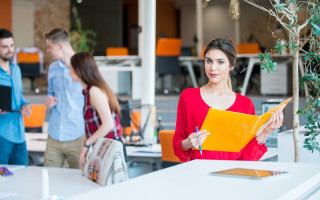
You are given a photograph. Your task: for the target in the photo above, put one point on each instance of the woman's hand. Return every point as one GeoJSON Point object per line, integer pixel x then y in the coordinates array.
{"type": "Point", "coordinates": [192, 141]}
{"type": "Point", "coordinates": [277, 120]}
{"type": "Point", "coordinates": [83, 156]}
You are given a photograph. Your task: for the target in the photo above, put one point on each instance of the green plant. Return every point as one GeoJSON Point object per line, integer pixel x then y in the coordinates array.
{"type": "Point", "coordinates": [287, 14]}
{"type": "Point", "coordinates": [312, 79]}
{"type": "Point", "coordinates": [82, 40]}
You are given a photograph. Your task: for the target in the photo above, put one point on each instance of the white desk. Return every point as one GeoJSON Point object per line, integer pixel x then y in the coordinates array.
{"type": "Point", "coordinates": [191, 180]}
{"type": "Point", "coordinates": [150, 154]}
{"type": "Point", "coordinates": [36, 142]}
{"type": "Point", "coordinates": [13, 167]}
{"type": "Point", "coordinates": [26, 183]}
{"type": "Point", "coordinates": [254, 59]}
{"type": "Point", "coordinates": [36, 145]}
{"type": "Point", "coordinates": [188, 61]}
{"type": "Point", "coordinates": [123, 63]}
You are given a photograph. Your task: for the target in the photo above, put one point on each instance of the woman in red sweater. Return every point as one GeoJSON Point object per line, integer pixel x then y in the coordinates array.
{"type": "Point", "coordinates": [194, 103]}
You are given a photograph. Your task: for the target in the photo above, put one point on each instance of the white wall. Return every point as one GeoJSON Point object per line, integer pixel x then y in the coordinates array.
{"type": "Point", "coordinates": [188, 25]}
{"type": "Point", "coordinates": [216, 23]}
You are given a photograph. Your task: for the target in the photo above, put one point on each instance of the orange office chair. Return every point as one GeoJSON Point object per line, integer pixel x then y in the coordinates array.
{"type": "Point", "coordinates": [167, 58]}
{"type": "Point", "coordinates": [168, 156]}
{"type": "Point", "coordinates": [117, 51]}
{"type": "Point", "coordinates": [30, 61]}
{"type": "Point", "coordinates": [135, 117]}
{"type": "Point", "coordinates": [35, 122]}
{"type": "Point", "coordinates": [202, 52]}
{"type": "Point", "coordinates": [248, 48]}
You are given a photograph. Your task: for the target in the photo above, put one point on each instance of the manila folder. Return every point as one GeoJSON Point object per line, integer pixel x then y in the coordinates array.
{"type": "Point", "coordinates": [232, 131]}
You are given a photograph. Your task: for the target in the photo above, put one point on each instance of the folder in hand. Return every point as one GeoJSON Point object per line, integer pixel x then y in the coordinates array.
{"type": "Point", "coordinates": [232, 131]}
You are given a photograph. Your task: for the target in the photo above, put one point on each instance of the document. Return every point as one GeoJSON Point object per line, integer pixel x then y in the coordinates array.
{"type": "Point", "coordinates": [232, 131]}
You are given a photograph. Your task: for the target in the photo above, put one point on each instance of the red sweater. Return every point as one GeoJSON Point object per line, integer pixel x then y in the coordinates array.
{"type": "Point", "coordinates": [192, 111]}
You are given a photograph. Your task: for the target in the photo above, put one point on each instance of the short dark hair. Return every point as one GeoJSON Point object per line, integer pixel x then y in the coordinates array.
{"type": "Point", "coordinates": [5, 33]}
{"type": "Point", "coordinates": [57, 35]}
{"type": "Point", "coordinates": [224, 45]}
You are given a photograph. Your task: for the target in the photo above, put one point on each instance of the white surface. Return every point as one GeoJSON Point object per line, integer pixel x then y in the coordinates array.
{"type": "Point", "coordinates": [148, 70]}
{"type": "Point", "coordinates": [149, 151]}
{"type": "Point", "coordinates": [150, 154]}
{"type": "Point", "coordinates": [192, 181]}
{"type": "Point", "coordinates": [26, 183]}
{"type": "Point", "coordinates": [270, 154]}
{"type": "Point", "coordinates": [13, 167]}
{"type": "Point", "coordinates": [310, 185]}
{"type": "Point", "coordinates": [286, 148]}
{"type": "Point", "coordinates": [36, 142]}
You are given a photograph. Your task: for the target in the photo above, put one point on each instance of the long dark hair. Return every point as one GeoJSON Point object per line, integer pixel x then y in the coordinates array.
{"type": "Point", "coordinates": [226, 46]}
{"type": "Point", "coordinates": [87, 70]}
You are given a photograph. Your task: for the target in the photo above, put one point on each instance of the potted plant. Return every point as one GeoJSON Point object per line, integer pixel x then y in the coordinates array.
{"type": "Point", "coordinates": [287, 14]}
{"type": "Point", "coordinates": [81, 40]}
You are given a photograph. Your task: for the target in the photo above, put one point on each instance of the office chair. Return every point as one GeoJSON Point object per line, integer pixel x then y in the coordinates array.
{"type": "Point", "coordinates": [167, 59]}
{"type": "Point", "coordinates": [117, 51]}
{"type": "Point", "coordinates": [125, 108]}
{"type": "Point", "coordinates": [35, 122]}
{"type": "Point", "coordinates": [248, 48]}
{"type": "Point", "coordinates": [30, 61]}
{"type": "Point", "coordinates": [242, 64]}
{"type": "Point", "coordinates": [168, 156]}
{"type": "Point", "coordinates": [134, 128]}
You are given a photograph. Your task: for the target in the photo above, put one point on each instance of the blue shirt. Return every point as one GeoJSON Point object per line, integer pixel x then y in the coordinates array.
{"type": "Point", "coordinates": [11, 123]}
{"type": "Point", "coordinates": [66, 120]}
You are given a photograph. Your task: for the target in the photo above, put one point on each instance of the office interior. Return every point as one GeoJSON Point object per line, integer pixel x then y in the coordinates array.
{"type": "Point", "coordinates": [116, 24]}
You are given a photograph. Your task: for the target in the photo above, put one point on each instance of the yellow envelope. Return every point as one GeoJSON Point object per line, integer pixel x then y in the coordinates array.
{"type": "Point", "coordinates": [232, 131]}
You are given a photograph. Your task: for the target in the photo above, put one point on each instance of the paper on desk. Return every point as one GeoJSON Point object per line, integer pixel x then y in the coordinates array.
{"type": "Point", "coordinates": [4, 195]}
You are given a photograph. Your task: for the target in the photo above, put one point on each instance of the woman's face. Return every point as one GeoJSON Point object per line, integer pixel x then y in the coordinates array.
{"type": "Point", "coordinates": [74, 76]}
{"type": "Point", "coordinates": [217, 66]}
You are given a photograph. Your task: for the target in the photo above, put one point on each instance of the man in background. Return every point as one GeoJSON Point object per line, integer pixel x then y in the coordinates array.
{"type": "Point", "coordinates": [13, 148]}
{"type": "Point", "coordinates": [66, 125]}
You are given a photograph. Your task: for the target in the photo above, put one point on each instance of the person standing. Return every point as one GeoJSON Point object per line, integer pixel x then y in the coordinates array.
{"type": "Point", "coordinates": [101, 108]}
{"type": "Point", "coordinates": [194, 104]}
{"type": "Point", "coordinates": [66, 125]}
{"type": "Point", "coordinates": [12, 134]}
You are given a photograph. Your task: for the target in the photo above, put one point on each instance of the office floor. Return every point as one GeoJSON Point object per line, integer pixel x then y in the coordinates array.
{"type": "Point", "coordinates": [166, 106]}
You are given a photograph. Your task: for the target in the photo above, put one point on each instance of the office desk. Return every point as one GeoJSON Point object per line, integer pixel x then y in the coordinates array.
{"type": "Point", "coordinates": [191, 180]}
{"type": "Point", "coordinates": [150, 154]}
{"type": "Point", "coordinates": [254, 59]}
{"type": "Point", "coordinates": [36, 145]}
{"type": "Point", "coordinates": [36, 142]}
{"type": "Point", "coordinates": [13, 167]}
{"type": "Point", "coordinates": [123, 63]}
{"type": "Point", "coordinates": [188, 61]}
{"type": "Point", "coordinates": [26, 183]}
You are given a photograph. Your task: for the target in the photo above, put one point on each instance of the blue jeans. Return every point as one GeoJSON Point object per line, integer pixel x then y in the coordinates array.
{"type": "Point", "coordinates": [12, 153]}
